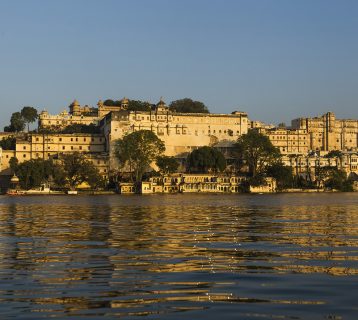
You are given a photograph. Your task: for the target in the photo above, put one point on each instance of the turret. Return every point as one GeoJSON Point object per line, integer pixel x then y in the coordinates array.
{"type": "Point", "coordinates": [75, 108]}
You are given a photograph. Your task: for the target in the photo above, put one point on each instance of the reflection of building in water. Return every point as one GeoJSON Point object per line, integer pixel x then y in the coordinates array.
{"type": "Point", "coordinates": [57, 248]}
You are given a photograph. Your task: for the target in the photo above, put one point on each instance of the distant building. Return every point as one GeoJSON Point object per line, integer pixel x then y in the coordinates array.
{"type": "Point", "coordinates": [327, 133]}
{"type": "Point", "coordinates": [84, 115]}
{"type": "Point", "coordinates": [288, 141]}
{"type": "Point", "coordinates": [46, 146]}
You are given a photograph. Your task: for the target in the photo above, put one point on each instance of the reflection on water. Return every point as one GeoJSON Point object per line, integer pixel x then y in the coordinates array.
{"type": "Point", "coordinates": [179, 256]}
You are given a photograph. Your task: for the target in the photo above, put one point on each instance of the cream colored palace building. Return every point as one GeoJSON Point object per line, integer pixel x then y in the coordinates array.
{"type": "Point", "coordinates": [181, 133]}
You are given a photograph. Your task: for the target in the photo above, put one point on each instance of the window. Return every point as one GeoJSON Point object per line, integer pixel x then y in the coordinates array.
{"type": "Point", "coordinates": [76, 139]}
{"type": "Point", "coordinates": [24, 147]}
{"type": "Point", "coordinates": [63, 147]}
{"type": "Point", "coordinates": [80, 147]}
{"type": "Point", "coordinates": [71, 139]}
{"type": "Point", "coordinates": [71, 147]}
{"type": "Point", "coordinates": [24, 155]}
{"type": "Point", "coordinates": [37, 139]}
{"type": "Point", "coordinates": [60, 139]}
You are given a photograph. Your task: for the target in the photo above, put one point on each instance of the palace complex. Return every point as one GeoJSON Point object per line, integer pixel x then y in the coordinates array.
{"type": "Point", "coordinates": [303, 145]}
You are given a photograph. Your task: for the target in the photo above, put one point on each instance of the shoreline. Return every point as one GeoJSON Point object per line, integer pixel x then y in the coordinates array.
{"type": "Point", "coordinates": [109, 193]}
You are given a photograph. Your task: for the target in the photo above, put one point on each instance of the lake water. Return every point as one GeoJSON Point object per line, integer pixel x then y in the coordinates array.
{"type": "Point", "coordinates": [284, 256]}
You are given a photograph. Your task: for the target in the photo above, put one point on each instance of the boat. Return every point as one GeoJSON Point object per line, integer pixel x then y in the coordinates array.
{"type": "Point", "coordinates": [43, 189]}
{"type": "Point", "coordinates": [72, 192]}
{"type": "Point", "coordinates": [15, 192]}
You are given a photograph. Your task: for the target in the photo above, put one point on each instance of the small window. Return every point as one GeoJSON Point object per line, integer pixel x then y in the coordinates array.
{"type": "Point", "coordinates": [60, 139]}
{"type": "Point", "coordinates": [63, 147]}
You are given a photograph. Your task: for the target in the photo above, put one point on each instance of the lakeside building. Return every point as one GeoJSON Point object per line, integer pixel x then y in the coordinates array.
{"type": "Point", "coordinates": [184, 132]}
{"type": "Point", "coordinates": [195, 183]}
{"type": "Point", "coordinates": [288, 141]}
{"type": "Point", "coordinates": [180, 132]}
{"type": "Point", "coordinates": [45, 146]}
{"type": "Point", "coordinates": [327, 133]}
{"type": "Point", "coordinates": [307, 165]}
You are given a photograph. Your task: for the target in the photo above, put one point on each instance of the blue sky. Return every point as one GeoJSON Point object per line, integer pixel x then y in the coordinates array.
{"type": "Point", "coordinates": [276, 60]}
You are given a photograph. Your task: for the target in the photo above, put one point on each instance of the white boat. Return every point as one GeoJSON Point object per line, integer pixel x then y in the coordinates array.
{"type": "Point", "coordinates": [43, 190]}
{"type": "Point", "coordinates": [72, 192]}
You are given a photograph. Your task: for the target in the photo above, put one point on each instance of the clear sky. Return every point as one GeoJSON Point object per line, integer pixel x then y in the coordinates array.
{"type": "Point", "coordinates": [276, 60]}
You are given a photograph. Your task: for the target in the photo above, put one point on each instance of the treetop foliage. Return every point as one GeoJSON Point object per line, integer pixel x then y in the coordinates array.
{"type": "Point", "coordinates": [8, 143]}
{"type": "Point", "coordinates": [167, 164]}
{"type": "Point", "coordinates": [19, 120]}
{"type": "Point", "coordinates": [138, 150]}
{"type": "Point", "coordinates": [205, 159]}
{"type": "Point", "coordinates": [187, 105]}
{"type": "Point", "coordinates": [133, 105]}
{"type": "Point", "coordinates": [257, 151]}
{"type": "Point", "coordinates": [70, 171]}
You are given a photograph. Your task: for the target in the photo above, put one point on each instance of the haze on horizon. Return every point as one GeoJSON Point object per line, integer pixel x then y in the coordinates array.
{"type": "Point", "coordinates": [276, 60]}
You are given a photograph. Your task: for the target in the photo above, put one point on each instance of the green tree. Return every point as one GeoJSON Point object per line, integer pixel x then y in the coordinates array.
{"type": "Point", "coordinates": [17, 123]}
{"type": "Point", "coordinates": [337, 179]}
{"type": "Point", "coordinates": [32, 173]}
{"type": "Point", "coordinates": [137, 105]}
{"type": "Point", "coordinates": [29, 115]}
{"type": "Point", "coordinates": [334, 154]}
{"type": "Point", "coordinates": [77, 169]}
{"type": "Point", "coordinates": [138, 150]}
{"type": "Point", "coordinates": [282, 174]}
{"type": "Point", "coordinates": [8, 143]}
{"type": "Point", "coordinates": [110, 102]}
{"type": "Point", "coordinates": [205, 159]}
{"type": "Point", "coordinates": [80, 128]}
{"type": "Point", "coordinates": [187, 105]}
{"type": "Point", "coordinates": [167, 164]}
{"type": "Point", "coordinates": [257, 151]}
{"type": "Point", "coordinates": [13, 164]}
